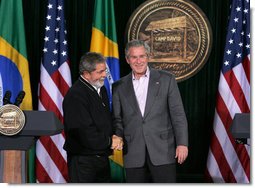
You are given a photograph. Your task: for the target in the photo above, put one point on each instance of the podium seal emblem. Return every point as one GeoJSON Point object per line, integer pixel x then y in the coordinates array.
{"type": "Point", "coordinates": [178, 33]}
{"type": "Point", "coordinates": [12, 120]}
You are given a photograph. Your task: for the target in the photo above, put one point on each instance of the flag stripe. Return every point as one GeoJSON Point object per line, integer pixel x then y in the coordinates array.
{"type": "Point", "coordinates": [233, 148]}
{"type": "Point", "coordinates": [48, 103]}
{"type": "Point", "coordinates": [229, 152]}
{"type": "Point", "coordinates": [236, 91]}
{"type": "Point", "coordinates": [40, 168]}
{"type": "Point", "coordinates": [58, 80]}
{"type": "Point", "coordinates": [228, 98]}
{"type": "Point", "coordinates": [213, 168]}
{"type": "Point", "coordinates": [65, 72]}
{"type": "Point", "coordinates": [246, 65]}
{"type": "Point", "coordinates": [52, 90]}
{"type": "Point", "coordinates": [56, 156]}
{"type": "Point", "coordinates": [219, 156]}
{"type": "Point", "coordinates": [60, 138]}
{"type": "Point", "coordinates": [222, 135]}
{"type": "Point", "coordinates": [244, 85]}
{"type": "Point", "coordinates": [46, 161]}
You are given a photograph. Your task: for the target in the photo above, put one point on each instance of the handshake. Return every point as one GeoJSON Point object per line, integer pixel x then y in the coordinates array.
{"type": "Point", "coordinates": [117, 143]}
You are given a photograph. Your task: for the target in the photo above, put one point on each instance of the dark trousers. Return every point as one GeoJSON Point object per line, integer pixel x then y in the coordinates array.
{"type": "Point", "coordinates": [151, 173]}
{"type": "Point", "coordinates": [89, 169]}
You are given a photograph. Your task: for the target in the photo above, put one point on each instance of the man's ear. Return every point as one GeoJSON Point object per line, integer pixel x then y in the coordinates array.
{"type": "Point", "coordinates": [86, 75]}
{"type": "Point", "coordinates": [127, 60]}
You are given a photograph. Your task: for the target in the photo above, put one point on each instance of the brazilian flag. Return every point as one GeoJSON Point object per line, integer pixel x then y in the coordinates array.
{"type": "Point", "coordinates": [104, 41]}
{"type": "Point", "coordinates": [14, 71]}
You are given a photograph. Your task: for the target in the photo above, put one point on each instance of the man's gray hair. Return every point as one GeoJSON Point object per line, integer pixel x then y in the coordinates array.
{"type": "Point", "coordinates": [136, 43]}
{"type": "Point", "coordinates": [89, 61]}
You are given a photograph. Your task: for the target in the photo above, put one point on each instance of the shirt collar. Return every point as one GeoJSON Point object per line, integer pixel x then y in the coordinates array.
{"type": "Point", "coordinates": [146, 75]}
{"type": "Point", "coordinates": [97, 89]}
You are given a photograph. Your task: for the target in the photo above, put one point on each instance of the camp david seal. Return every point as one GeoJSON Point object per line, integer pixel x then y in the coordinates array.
{"type": "Point", "coordinates": [12, 120]}
{"type": "Point", "coordinates": [178, 33]}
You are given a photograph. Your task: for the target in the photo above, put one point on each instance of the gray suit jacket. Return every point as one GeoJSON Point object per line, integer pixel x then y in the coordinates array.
{"type": "Point", "coordinates": [163, 126]}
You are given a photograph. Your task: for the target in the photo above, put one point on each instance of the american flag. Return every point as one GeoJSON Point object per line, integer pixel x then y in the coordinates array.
{"type": "Point", "coordinates": [55, 80]}
{"type": "Point", "coordinates": [228, 161]}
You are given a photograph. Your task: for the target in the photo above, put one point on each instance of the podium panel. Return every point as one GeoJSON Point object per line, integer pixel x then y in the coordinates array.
{"type": "Point", "coordinates": [241, 126]}
{"type": "Point", "coordinates": [13, 168]}
{"type": "Point", "coordinates": [16, 143]}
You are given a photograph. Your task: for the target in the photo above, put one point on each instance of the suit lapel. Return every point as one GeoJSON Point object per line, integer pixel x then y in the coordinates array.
{"type": "Point", "coordinates": [130, 93]}
{"type": "Point", "coordinates": [153, 88]}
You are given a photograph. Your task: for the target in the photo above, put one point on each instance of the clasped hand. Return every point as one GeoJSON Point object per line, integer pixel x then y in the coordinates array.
{"type": "Point", "coordinates": [117, 143]}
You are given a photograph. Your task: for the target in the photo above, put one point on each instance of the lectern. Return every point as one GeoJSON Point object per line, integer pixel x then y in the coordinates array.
{"type": "Point", "coordinates": [240, 127]}
{"type": "Point", "coordinates": [38, 123]}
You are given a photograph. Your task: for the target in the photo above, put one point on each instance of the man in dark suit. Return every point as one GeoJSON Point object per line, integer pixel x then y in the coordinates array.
{"type": "Point", "coordinates": [149, 116]}
{"type": "Point", "coordinates": [88, 124]}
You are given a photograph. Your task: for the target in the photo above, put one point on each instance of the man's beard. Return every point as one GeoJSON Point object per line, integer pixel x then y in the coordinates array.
{"type": "Point", "coordinates": [99, 83]}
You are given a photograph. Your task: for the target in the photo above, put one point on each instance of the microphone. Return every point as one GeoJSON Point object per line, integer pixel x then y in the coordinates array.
{"type": "Point", "coordinates": [19, 98]}
{"type": "Point", "coordinates": [7, 97]}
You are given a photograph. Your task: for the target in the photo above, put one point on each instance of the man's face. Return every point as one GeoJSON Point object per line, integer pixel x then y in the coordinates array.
{"type": "Point", "coordinates": [138, 60]}
{"type": "Point", "coordinates": [96, 77]}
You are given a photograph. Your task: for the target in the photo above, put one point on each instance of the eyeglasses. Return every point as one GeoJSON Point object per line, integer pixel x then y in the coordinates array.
{"type": "Point", "coordinates": [141, 57]}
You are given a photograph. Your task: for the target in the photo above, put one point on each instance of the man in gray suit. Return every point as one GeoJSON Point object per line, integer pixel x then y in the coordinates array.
{"type": "Point", "coordinates": [149, 116]}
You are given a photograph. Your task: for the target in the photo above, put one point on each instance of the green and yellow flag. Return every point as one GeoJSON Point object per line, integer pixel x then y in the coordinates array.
{"type": "Point", "coordinates": [14, 70]}
{"type": "Point", "coordinates": [104, 41]}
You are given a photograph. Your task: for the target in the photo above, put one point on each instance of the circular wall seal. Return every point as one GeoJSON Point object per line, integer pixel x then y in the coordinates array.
{"type": "Point", "coordinates": [178, 33]}
{"type": "Point", "coordinates": [12, 120]}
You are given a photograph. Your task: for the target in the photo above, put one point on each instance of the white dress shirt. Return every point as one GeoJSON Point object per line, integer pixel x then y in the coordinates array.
{"type": "Point", "coordinates": [141, 88]}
